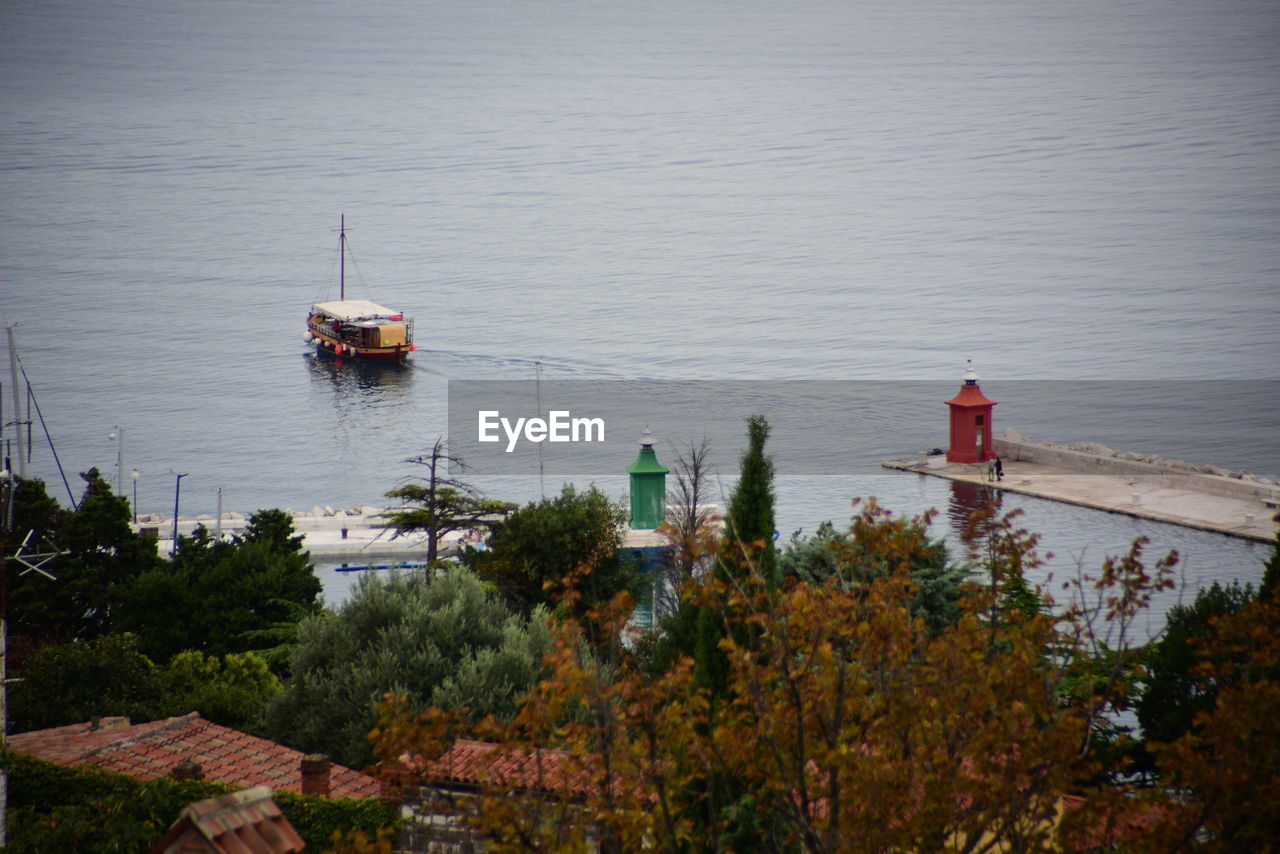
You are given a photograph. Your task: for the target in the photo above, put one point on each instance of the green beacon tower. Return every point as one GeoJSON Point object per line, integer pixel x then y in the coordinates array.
{"type": "Point", "coordinates": [648, 487]}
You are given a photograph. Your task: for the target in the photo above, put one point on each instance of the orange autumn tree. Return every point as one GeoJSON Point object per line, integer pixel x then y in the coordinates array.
{"type": "Point", "coordinates": [853, 725]}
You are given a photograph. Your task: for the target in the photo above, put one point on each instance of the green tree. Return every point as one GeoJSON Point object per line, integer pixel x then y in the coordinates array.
{"type": "Point", "coordinates": [109, 675]}
{"type": "Point", "coordinates": [1172, 694]}
{"type": "Point", "coordinates": [233, 690]}
{"type": "Point", "coordinates": [747, 557]}
{"type": "Point", "coordinates": [438, 505]}
{"type": "Point", "coordinates": [35, 520]}
{"type": "Point", "coordinates": [450, 643]}
{"type": "Point", "coordinates": [851, 561]}
{"type": "Point", "coordinates": [35, 511]}
{"type": "Point", "coordinates": [102, 557]}
{"type": "Point", "coordinates": [749, 527]}
{"type": "Point", "coordinates": [224, 596]}
{"type": "Point", "coordinates": [746, 548]}
{"type": "Point", "coordinates": [561, 551]}
{"type": "Point", "coordinates": [275, 528]}
{"type": "Point", "coordinates": [1270, 589]}
{"type": "Point", "coordinates": [76, 681]}
{"type": "Point", "coordinates": [813, 558]}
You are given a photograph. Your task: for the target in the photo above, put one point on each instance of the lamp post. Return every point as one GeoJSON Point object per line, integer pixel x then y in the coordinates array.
{"type": "Point", "coordinates": [133, 475]}
{"type": "Point", "coordinates": [177, 490]}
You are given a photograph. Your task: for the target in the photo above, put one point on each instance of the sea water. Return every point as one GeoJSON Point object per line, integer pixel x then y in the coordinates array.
{"type": "Point", "coordinates": [1082, 193]}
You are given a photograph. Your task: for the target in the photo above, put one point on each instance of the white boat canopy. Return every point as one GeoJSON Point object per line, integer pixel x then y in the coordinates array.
{"type": "Point", "coordinates": [354, 310]}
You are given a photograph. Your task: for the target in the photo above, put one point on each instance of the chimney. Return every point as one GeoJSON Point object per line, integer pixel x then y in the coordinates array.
{"type": "Point", "coordinates": [315, 774]}
{"type": "Point", "coordinates": [187, 770]}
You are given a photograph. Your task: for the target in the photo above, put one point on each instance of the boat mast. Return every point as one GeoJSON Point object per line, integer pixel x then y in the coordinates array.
{"type": "Point", "coordinates": [342, 244]}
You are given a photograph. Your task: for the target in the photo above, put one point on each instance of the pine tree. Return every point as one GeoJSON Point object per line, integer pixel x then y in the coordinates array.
{"type": "Point", "coordinates": [437, 504]}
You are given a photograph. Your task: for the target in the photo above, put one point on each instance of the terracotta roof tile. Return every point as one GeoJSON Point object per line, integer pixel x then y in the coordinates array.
{"type": "Point", "coordinates": [245, 822]}
{"type": "Point", "coordinates": [150, 750]}
{"type": "Point", "coordinates": [481, 762]}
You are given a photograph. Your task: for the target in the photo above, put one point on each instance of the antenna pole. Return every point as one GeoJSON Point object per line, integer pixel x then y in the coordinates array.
{"type": "Point", "coordinates": [6, 492]}
{"type": "Point", "coordinates": [31, 396]}
{"type": "Point", "coordinates": [17, 400]}
{"type": "Point", "coordinates": [342, 242]}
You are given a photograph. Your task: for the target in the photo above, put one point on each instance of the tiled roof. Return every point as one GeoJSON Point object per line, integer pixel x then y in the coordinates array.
{"type": "Point", "coordinates": [1132, 821]}
{"type": "Point", "coordinates": [150, 750]}
{"type": "Point", "coordinates": [244, 822]}
{"type": "Point", "coordinates": [485, 763]}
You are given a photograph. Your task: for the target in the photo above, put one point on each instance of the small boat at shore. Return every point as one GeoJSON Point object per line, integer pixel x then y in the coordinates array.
{"type": "Point", "coordinates": [358, 328]}
{"type": "Point", "coordinates": [376, 566]}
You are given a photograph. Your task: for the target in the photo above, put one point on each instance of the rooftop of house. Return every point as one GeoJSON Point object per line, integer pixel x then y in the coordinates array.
{"type": "Point", "coordinates": [244, 822]}
{"type": "Point", "coordinates": [475, 763]}
{"type": "Point", "coordinates": [150, 750]}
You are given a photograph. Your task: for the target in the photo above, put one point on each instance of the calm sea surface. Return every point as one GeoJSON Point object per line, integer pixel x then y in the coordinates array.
{"type": "Point", "coordinates": [1084, 192]}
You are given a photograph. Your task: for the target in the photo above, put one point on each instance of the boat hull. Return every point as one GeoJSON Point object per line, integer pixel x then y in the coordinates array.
{"type": "Point", "coordinates": [327, 343]}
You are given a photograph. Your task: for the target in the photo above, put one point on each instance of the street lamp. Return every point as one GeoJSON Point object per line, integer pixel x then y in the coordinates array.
{"type": "Point", "coordinates": [133, 475]}
{"type": "Point", "coordinates": [177, 490]}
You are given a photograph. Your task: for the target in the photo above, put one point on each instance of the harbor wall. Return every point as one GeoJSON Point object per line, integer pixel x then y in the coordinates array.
{"type": "Point", "coordinates": [1242, 486]}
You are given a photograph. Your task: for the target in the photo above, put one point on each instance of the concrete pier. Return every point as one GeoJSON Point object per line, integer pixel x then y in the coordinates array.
{"type": "Point", "coordinates": [1225, 505]}
{"type": "Point", "coordinates": [359, 534]}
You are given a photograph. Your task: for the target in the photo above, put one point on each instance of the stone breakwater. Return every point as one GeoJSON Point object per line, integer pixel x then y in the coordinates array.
{"type": "Point", "coordinates": [325, 531]}
{"type": "Point", "coordinates": [317, 518]}
{"type": "Point", "coordinates": [1140, 485]}
{"type": "Point", "coordinates": [358, 533]}
{"type": "Point", "coordinates": [1094, 458]}
{"type": "Point", "coordinates": [1181, 466]}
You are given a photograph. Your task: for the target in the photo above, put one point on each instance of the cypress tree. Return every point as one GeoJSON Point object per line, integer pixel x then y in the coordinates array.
{"type": "Point", "coordinates": [747, 550]}
{"type": "Point", "coordinates": [747, 547]}
{"type": "Point", "coordinates": [749, 526]}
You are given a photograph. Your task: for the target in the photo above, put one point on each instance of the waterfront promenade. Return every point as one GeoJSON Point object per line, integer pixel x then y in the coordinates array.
{"type": "Point", "coordinates": [355, 536]}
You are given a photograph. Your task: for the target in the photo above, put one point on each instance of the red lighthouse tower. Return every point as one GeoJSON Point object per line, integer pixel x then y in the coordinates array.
{"type": "Point", "coordinates": [971, 438]}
